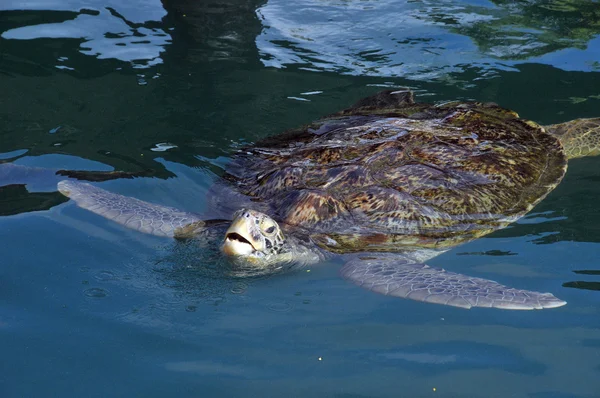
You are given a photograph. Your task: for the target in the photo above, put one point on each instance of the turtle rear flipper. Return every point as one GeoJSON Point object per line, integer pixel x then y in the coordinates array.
{"type": "Point", "coordinates": [134, 213]}
{"type": "Point", "coordinates": [400, 277]}
{"type": "Point", "coordinates": [580, 137]}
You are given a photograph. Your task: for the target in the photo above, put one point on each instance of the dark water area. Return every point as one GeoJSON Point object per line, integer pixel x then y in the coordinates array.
{"type": "Point", "coordinates": [171, 89]}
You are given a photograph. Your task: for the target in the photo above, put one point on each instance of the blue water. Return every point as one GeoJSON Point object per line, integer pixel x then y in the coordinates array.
{"type": "Point", "coordinates": [88, 308]}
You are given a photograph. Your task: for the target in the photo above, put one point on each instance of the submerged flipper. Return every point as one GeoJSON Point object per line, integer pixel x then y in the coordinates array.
{"type": "Point", "coordinates": [134, 213]}
{"type": "Point", "coordinates": [399, 277]}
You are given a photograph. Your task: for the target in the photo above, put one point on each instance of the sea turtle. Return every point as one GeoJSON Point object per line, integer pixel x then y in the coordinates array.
{"type": "Point", "coordinates": [387, 184]}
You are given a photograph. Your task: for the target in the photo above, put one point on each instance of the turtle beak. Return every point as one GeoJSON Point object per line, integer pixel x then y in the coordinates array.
{"type": "Point", "coordinates": [238, 238]}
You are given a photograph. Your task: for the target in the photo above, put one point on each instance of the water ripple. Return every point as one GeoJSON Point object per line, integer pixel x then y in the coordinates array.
{"type": "Point", "coordinates": [427, 39]}
{"type": "Point", "coordinates": [125, 33]}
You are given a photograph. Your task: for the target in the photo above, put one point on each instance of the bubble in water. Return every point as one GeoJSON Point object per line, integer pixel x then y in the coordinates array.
{"type": "Point", "coordinates": [309, 293]}
{"type": "Point", "coordinates": [239, 288]}
{"type": "Point", "coordinates": [278, 305]}
{"type": "Point", "coordinates": [106, 276]}
{"type": "Point", "coordinates": [96, 292]}
{"type": "Point", "coordinates": [215, 300]}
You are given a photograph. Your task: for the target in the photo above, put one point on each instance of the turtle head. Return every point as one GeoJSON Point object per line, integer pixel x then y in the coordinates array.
{"type": "Point", "coordinates": [253, 239]}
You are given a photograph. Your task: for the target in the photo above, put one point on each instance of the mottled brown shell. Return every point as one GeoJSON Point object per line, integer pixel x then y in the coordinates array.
{"type": "Point", "coordinates": [389, 174]}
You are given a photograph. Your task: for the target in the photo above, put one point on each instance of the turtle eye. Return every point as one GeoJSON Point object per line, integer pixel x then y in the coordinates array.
{"type": "Point", "coordinates": [268, 226]}
{"type": "Point", "coordinates": [270, 230]}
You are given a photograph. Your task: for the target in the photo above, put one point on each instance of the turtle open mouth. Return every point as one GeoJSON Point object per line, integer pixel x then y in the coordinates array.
{"type": "Point", "coordinates": [236, 244]}
{"type": "Point", "coordinates": [237, 237]}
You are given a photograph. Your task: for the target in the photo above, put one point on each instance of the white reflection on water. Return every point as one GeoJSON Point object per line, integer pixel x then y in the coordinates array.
{"type": "Point", "coordinates": [386, 38]}
{"type": "Point", "coordinates": [109, 32]}
{"type": "Point", "coordinates": [420, 40]}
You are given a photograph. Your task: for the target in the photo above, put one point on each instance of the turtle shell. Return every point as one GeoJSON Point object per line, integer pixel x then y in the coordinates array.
{"type": "Point", "coordinates": [390, 174]}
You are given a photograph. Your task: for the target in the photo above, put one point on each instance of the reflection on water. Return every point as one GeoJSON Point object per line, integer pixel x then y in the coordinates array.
{"type": "Point", "coordinates": [428, 39]}
{"type": "Point", "coordinates": [137, 11]}
{"type": "Point", "coordinates": [456, 354]}
{"type": "Point", "coordinates": [122, 31]}
{"type": "Point", "coordinates": [16, 199]}
{"type": "Point", "coordinates": [588, 285]}
{"type": "Point", "coordinates": [583, 285]}
{"type": "Point", "coordinates": [417, 40]}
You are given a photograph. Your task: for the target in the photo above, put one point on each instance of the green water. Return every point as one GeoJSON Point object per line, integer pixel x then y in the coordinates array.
{"type": "Point", "coordinates": [88, 308]}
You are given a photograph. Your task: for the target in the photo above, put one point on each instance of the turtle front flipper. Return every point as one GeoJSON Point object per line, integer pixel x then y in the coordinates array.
{"type": "Point", "coordinates": [580, 137]}
{"type": "Point", "coordinates": [400, 277]}
{"type": "Point", "coordinates": [134, 213]}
